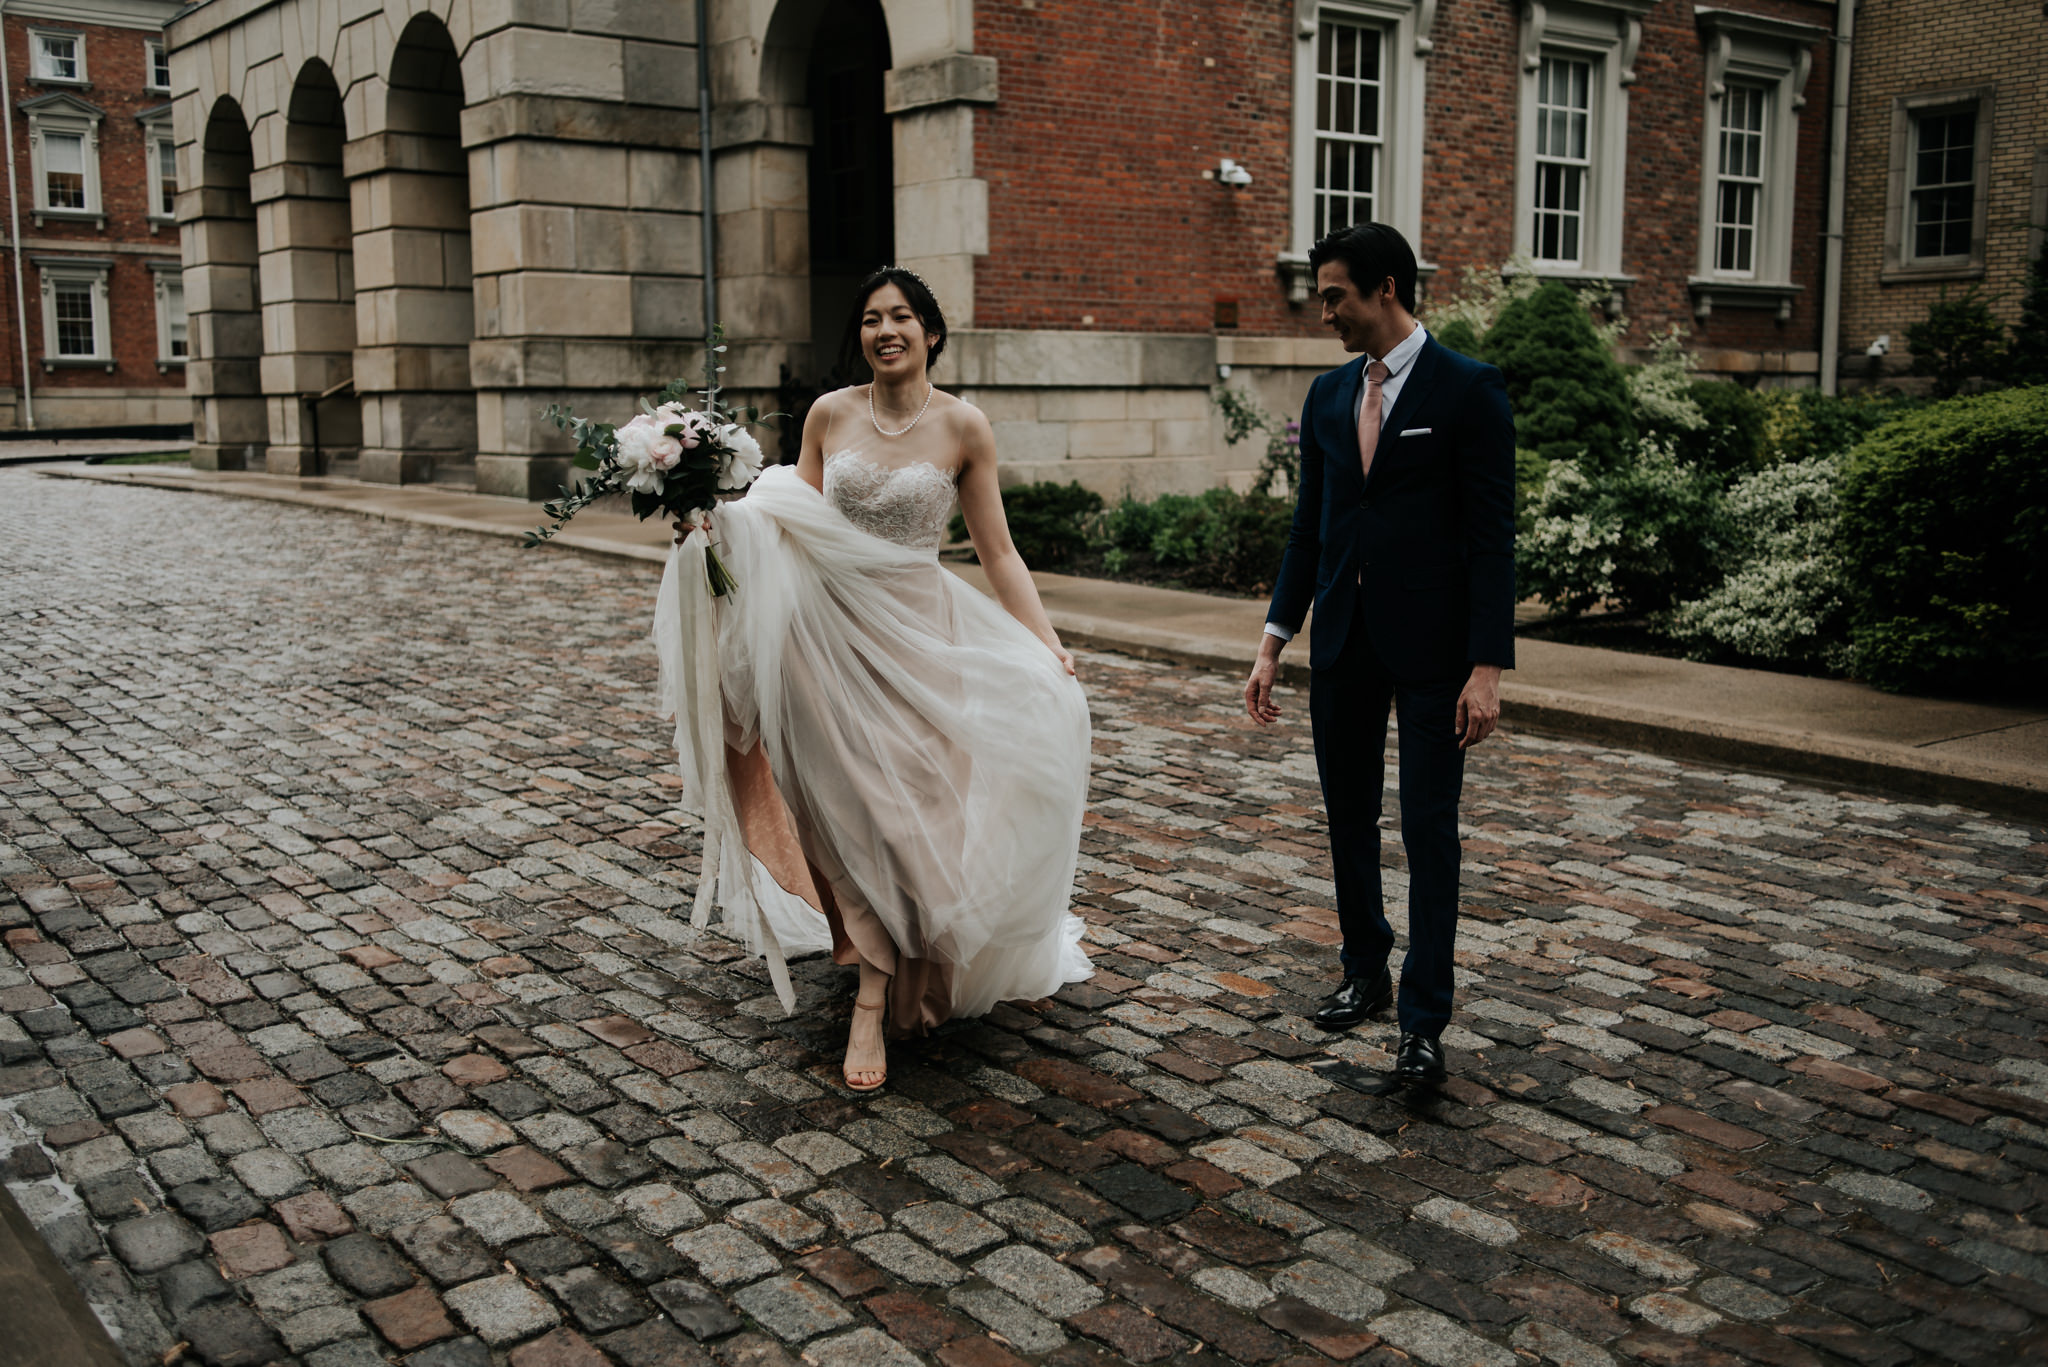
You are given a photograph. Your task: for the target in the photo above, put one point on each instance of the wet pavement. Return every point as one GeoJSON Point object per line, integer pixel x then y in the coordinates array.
{"type": "Point", "coordinates": [349, 1013]}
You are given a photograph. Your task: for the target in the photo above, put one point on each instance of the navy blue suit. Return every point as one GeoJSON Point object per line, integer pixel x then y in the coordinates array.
{"type": "Point", "coordinates": [1411, 572]}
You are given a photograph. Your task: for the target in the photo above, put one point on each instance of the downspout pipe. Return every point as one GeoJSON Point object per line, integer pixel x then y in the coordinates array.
{"type": "Point", "coordinates": [28, 400]}
{"type": "Point", "coordinates": [710, 215]}
{"type": "Point", "coordinates": [1838, 182]}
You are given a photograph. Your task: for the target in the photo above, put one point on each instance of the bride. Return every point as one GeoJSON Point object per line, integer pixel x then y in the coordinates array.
{"type": "Point", "coordinates": [890, 765]}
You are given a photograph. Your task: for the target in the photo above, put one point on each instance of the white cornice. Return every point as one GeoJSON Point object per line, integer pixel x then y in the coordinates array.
{"type": "Point", "coordinates": [148, 15]}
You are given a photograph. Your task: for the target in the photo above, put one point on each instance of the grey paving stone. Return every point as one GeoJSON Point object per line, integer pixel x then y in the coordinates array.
{"type": "Point", "coordinates": [949, 1228]}
{"type": "Point", "coordinates": [502, 1309]}
{"type": "Point", "coordinates": [695, 1307]}
{"type": "Point", "coordinates": [445, 1250]}
{"type": "Point", "coordinates": [1030, 1331]}
{"type": "Point", "coordinates": [907, 1258]}
{"type": "Point", "coordinates": [467, 1351]}
{"type": "Point", "coordinates": [792, 1308]}
{"type": "Point", "coordinates": [860, 1348]}
{"type": "Point", "coordinates": [723, 1255]}
{"type": "Point", "coordinates": [154, 1242]}
{"type": "Point", "coordinates": [598, 1303]}
{"type": "Point", "coordinates": [1050, 1288]}
{"type": "Point", "coordinates": [366, 1266]}
{"type": "Point", "coordinates": [499, 1217]}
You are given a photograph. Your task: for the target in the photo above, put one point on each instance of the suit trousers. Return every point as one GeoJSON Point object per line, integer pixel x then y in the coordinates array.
{"type": "Point", "coordinates": [1348, 705]}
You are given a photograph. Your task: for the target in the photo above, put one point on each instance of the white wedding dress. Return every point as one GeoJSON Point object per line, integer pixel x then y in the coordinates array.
{"type": "Point", "coordinates": [854, 711]}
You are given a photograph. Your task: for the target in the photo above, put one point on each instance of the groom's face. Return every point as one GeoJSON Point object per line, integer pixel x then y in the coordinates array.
{"type": "Point", "coordinates": [1359, 319]}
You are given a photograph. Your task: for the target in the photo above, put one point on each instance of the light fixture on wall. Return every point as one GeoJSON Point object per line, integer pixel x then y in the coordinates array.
{"type": "Point", "coordinates": [1233, 175]}
{"type": "Point", "coordinates": [1881, 347]}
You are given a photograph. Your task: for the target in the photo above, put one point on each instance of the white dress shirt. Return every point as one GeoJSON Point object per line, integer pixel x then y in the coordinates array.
{"type": "Point", "coordinates": [1397, 362]}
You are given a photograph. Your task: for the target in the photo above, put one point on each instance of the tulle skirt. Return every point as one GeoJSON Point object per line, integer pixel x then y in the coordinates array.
{"type": "Point", "coordinates": [852, 711]}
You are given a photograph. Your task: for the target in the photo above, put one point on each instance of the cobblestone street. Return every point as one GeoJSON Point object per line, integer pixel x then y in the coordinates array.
{"type": "Point", "coordinates": [349, 1013]}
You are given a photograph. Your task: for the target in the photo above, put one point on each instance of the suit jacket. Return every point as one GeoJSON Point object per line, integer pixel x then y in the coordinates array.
{"type": "Point", "coordinates": [1431, 530]}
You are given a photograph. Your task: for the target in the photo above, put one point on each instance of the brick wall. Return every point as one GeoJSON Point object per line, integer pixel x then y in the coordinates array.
{"type": "Point", "coordinates": [1111, 110]}
{"type": "Point", "coordinates": [1906, 47]}
{"type": "Point", "coordinates": [116, 68]}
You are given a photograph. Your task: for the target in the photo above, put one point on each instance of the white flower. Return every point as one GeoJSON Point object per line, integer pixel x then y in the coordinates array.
{"type": "Point", "coordinates": [644, 453]}
{"type": "Point", "coordinates": [743, 459]}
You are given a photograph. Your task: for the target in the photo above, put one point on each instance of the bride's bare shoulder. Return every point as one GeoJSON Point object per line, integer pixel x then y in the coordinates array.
{"type": "Point", "coordinates": [962, 418]}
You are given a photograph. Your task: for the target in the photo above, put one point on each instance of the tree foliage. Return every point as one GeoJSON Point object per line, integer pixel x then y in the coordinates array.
{"type": "Point", "coordinates": [1569, 395]}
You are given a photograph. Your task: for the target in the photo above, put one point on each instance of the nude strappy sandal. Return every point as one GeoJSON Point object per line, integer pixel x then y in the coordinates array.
{"type": "Point", "coordinates": [847, 1073]}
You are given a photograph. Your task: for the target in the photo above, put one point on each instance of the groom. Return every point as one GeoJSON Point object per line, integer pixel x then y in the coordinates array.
{"type": "Point", "coordinates": [1403, 539]}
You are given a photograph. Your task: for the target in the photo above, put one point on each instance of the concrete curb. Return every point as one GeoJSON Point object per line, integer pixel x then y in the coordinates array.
{"type": "Point", "coordinates": [48, 1321]}
{"type": "Point", "coordinates": [1808, 756]}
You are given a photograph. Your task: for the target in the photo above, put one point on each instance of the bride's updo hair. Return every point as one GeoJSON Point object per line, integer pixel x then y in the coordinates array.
{"type": "Point", "coordinates": [922, 303]}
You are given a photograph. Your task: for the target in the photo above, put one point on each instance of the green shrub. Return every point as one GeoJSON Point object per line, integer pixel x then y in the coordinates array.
{"type": "Point", "coordinates": [1218, 538]}
{"type": "Point", "coordinates": [1568, 393]}
{"type": "Point", "coordinates": [1460, 336]}
{"type": "Point", "coordinates": [1784, 599]}
{"type": "Point", "coordinates": [1802, 424]}
{"type": "Point", "coordinates": [1944, 535]}
{"type": "Point", "coordinates": [1730, 439]}
{"type": "Point", "coordinates": [1960, 340]}
{"type": "Point", "coordinates": [1644, 532]}
{"type": "Point", "coordinates": [1048, 522]}
{"type": "Point", "coordinates": [2026, 362]}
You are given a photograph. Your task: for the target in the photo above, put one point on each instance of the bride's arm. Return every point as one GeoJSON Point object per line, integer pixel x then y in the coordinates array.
{"type": "Point", "coordinates": [981, 504]}
{"type": "Point", "coordinates": [810, 461]}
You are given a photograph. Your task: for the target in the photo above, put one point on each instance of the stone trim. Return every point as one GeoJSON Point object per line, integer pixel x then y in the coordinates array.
{"type": "Point", "coordinates": [561, 119]}
{"type": "Point", "coordinates": [961, 78]}
{"type": "Point", "coordinates": [754, 123]}
{"type": "Point", "coordinates": [1711, 291]}
{"type": "Point", "coordinates": [1896, 268]}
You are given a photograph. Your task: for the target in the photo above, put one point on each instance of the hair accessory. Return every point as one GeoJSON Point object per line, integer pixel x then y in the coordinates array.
{"type": "Point", "coordinates": [905, 270]}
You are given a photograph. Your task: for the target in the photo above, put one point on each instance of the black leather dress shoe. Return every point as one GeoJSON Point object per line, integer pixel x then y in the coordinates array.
{"type": "Point", "coordinates": [1356, 999]}
{"type": "Point", "coordinates": [1420, 1059]}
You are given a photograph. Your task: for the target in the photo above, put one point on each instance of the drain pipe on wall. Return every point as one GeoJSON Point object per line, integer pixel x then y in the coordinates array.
{"type": "Point", "coordinates": [1838, 181]}
{"type": "Point", "coordinates": [703, 165]}
{"type": "Point", "coordinates": [28, 401]}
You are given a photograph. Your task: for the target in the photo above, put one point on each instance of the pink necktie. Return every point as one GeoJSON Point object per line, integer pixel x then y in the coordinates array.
{"type": "Point", "coordinates": [1369, 416]}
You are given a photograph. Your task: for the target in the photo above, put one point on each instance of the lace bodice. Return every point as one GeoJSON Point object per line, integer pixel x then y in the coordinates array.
{"type": "Point", "coordinates": [906, 504]}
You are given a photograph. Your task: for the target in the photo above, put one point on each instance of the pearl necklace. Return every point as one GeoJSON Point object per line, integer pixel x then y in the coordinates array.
{"type": "Point", "coordinates": [929, 390]}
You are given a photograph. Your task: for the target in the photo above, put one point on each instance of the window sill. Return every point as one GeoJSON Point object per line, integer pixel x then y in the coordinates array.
{"type": "Point", "coordinates": [1616, 284]}
{"type": "Point", "coordinates": [1293, 270]}
{"type": "Point", "coordinates": [166, 364]}
{"type": "Point", "coordinates": [98, 220]}
{"type": "Point", "coordinates": [1907, 275]}
{"type": "Point", "coordinates": [59, 83]}
{"type": "Point", "coordinates": [1710, 292]}
{"type": "Point", "coordinates": [78, 363]}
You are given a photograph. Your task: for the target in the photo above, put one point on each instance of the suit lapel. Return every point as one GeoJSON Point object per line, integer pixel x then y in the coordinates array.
{"type": "Point", "coordinates": [1421, 373]}
{"type": "Point", "coordinates": [1352, 381]}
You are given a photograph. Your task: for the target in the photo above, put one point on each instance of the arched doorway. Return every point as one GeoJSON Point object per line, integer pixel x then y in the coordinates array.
{"type": "Point", "coordinates": [851, 173]}
{"type": "Point", "coordinates": [308, 285]}
{"type": "Point", "coordinates": [416, 301]}
{"type": "Point", "coordinates": [223, 300]}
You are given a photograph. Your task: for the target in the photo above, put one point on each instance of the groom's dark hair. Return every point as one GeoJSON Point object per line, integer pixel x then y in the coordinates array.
{"type": "Point", "coordinates": [922, 303]}
{"type": "Point", "coordinates": [1369, 253]}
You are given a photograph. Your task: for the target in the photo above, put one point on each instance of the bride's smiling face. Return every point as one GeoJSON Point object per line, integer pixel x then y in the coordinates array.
{"type": "Point", "coordinates": [892, 336]}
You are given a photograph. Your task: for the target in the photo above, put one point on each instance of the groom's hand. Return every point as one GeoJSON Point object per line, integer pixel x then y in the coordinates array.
{"type": "Point", "coordinates": [1258, 689]}
{"type": "Point", "coordinates": [1479, 706]}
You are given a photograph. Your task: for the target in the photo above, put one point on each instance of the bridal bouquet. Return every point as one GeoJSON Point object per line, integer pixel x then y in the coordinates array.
{"type": "Point", "coordinates": [669, 460]}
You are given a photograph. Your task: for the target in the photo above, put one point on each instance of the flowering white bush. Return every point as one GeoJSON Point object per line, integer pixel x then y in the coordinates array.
{"type": "Point", "coordinates": [1785, 597]}
{"type": "Point", "coordinates": [1659, 387]}
{"type": "Point", "coordinates": [1643, 534]}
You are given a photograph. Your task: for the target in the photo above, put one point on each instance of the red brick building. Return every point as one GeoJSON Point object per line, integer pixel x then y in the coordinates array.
{"type": "Point", "coordinates": [1113, 119]}
{"type": "Point", "coordinates": [93, 278]}
{"type": "Point", "coordinates": [1113, 198]}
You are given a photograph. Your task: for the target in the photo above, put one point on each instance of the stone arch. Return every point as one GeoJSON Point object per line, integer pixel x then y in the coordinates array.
{"type": "Point", "coordinates": [308, 283]}
{"type": "Point", "coordinates": [222, 294]}
{"type": "Point", "coordinates": [415, 308]}
{"type": "Point", "coordinates": [768, 143]}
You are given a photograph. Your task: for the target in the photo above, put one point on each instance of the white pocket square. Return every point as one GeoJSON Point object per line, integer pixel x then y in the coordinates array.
{"type": "Point", "coordinates": [1417, 431]}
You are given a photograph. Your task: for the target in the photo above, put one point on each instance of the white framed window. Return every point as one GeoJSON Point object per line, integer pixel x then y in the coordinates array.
{"type": "Point", "coordinates": [160, 165]}
{"type": "Point", "coordinates": [1564, 159]}
{"type": "Point", "coordinates": [75, 328]}
{"type": "Point", "coordinates": [1577, 63]}
{"type": "Point", "coordinates": [1359, 78]}
{"type": "Point", "coordinates": [57, 55]}
{"type": "Point", "coordinates": [158, 75]}
{"type": "Point", "coordinates": [172, 336]}
{"type": "Point", "coordinates": [1938, 191]}
{"type": "Point", "coordinates": [64, 157]}
{"type": "Point", "coordinates": [1756, 86]}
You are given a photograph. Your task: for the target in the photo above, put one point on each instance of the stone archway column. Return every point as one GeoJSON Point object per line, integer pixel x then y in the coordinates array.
{"type": "Point", "coordinates": [224, 330]}
{"type": "Point", "coordinates": [588, 263]}
{"type": "Point", "coordinates": [941, 205]}
{"type": "Point", "coordinates": [761, 169]}
{"type": "Point", "coordinates": [307, 274]}
{"type": "Point", "coordinates": [415, 316]}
